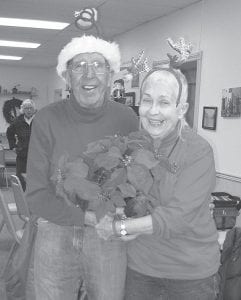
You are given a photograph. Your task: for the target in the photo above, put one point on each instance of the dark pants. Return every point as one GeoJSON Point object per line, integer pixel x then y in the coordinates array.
{"type": "Point", "coordinates": [143, 287]}
{"type": "Point", "coordinates": [21, 166]}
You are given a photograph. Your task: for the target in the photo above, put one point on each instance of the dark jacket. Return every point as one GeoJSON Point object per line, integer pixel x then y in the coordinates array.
{"type": "Point", "coordinates": [18, 135]}
{"type": "Point", "coordinates": [230, 269]}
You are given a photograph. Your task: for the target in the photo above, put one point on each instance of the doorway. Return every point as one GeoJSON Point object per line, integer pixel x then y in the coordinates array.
{"type": "Point", "coordinates": [192, 70]}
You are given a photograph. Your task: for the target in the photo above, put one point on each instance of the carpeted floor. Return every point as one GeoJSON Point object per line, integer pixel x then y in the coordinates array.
{"type": "Point", "coordinates": [6, 240]}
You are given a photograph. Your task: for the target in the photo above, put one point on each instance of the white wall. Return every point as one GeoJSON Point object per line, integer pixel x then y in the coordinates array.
{"type": "Point", "coordinates": [55, 83]}
{"type": "Point", "coordinates": [27, 78]}
{"type": "Point", "coordinates": [212, 26]}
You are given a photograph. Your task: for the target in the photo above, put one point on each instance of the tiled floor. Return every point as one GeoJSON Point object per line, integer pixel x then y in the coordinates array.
{"type": "Point", "coordinates": [6, 240]}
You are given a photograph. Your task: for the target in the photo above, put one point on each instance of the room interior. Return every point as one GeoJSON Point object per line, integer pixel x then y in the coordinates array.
{"type": "Point", "coordinates": [211, 26]}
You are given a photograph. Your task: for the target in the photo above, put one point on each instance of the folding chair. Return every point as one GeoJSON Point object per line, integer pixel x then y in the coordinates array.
{"type": "Point", "coordinates": [12, 208]}
{"type": "Point", "coordinates": [8, 220]}
{"type": "Point", "coordinates": [19, 197]}
{"type": "Point", "coordinates": [3, 169]}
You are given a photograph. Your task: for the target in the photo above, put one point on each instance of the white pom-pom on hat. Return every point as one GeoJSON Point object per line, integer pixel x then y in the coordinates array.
{"type": "Point", "coordinates": [89, 44]}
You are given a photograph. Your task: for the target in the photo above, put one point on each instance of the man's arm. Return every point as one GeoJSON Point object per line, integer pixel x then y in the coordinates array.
{"type": "Point", "coordinates": [41, 194]}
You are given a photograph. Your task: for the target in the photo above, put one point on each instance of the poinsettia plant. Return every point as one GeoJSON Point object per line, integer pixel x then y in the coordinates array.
{"type": "Point", "coordinates": [113, 172]}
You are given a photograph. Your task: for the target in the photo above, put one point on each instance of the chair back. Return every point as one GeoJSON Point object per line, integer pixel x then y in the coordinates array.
{"type": "Point", "coordinates": [19, 197]}
{"type": "Point", "coordinates": [8, 220]}
{"type": "Point", "coordinates": [2, 156]}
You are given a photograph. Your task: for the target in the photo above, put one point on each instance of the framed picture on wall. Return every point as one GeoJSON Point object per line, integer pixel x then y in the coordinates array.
{"type": "Point", "coordinates": [130, 98]}
{"type": "Point", "coordinates": [231, 103]}
{"type": "Point", "coordinates": [209, 120]}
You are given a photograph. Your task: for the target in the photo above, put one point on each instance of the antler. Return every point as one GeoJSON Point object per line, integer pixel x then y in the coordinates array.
{"type": "Point", "coordinates": [139, 64]}
{"type": "Point", "coordinates": [184, 50]}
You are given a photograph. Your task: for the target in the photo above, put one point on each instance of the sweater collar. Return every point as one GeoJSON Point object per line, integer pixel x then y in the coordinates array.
{"type": "Point", "coordinates": [168, 140]}
{"type": "Point", "coordinates": [86, 114]}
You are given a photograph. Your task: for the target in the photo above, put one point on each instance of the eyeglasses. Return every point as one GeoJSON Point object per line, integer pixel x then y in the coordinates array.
{"type": "Point", "coordinates": [28, 108]}
{"type": "Point", "coordinates": [82, 67]}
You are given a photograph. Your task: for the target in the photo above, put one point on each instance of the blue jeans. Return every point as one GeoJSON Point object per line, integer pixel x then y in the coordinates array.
{"type": "Point", "coordinates": [66, 255]}
{"type": "Point", "coordinates": [143, 287]}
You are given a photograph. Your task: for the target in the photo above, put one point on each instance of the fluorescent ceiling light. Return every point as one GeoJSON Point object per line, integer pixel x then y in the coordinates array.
{"type": "Point", "coordinates": [10, 57]}
{"type": "Point", "coordinates": [18, 44]}
{"type": "Point", "coordinates": [32, 23]}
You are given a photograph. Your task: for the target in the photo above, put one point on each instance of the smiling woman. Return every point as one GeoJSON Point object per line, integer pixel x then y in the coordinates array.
{"type": "Point", "coordinates": [160, 110]}
{"type": "Point", "coordinates": [183, 179]}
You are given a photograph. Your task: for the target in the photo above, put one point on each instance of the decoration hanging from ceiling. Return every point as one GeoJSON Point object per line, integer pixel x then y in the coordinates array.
{"type": "Point", "coordinates": [86, 19]}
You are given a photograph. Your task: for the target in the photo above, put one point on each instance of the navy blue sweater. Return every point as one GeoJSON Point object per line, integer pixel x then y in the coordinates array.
{"type": "Point", "coordinates": [66, 128]}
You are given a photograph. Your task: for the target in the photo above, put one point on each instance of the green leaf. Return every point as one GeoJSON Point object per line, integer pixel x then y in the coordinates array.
{"type": "Point", "coordinates": [118, 199]}
{"type": "Point", "coordinates": [78, 168]}
{"type": "Point", "coordinates": [121, 144]}
{"type": "Point", "coordinates": [127, 190]}
{"type": "Point", "coordinates": [115, 152]}
{"type": "Point", "coordinates": [98, 146]}
{"type": "Point", "coordinates": [82, 187]}
{"type": "Point", "coordinates": [107, 161]}
{"type": "Point", "coordinates": [146, 158]}
{"type": "Point", "coordinates": [140, 177]}
{"type": "Point", "coordinates": [110, 206]}
{"type": "Point", "coordinates": [117, 177]}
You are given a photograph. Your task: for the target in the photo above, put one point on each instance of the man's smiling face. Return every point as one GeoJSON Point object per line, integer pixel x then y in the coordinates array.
{"type": "Point", "coordinates": [89, 77]}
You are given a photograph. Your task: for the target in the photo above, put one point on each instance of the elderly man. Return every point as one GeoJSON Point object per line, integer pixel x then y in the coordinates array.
{"type": "Point", "coordinates": [18, 135]}
{"type": "Point", "coordinates": [66, 252]}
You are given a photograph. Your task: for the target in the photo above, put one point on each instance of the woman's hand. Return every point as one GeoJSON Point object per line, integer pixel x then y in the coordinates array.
{"type": "Point", "coordinates": [105, 230]}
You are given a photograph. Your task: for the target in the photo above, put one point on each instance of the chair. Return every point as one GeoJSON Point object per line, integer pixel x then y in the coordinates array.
{"type": "Point", "coordinates": [12, 208]}
{"type": "Point", "coordinates": [8, 220]}
{"type": "Point", "coordinates": [22, 206]}
{"type": "Point", "coordinates": [3, 169]}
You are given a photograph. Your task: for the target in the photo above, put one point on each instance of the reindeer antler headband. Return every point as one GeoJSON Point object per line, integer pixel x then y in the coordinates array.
{"type": "Point", "coordinates": [183, 49]}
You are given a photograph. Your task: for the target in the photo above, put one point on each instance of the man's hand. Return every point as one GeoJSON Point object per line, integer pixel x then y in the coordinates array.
{"type": "Point", "coordinates": [126, 238]}
{"type": "Point", "coordinates": [104, 227]}
{"type": "Point", "coordinates": [90, 218]}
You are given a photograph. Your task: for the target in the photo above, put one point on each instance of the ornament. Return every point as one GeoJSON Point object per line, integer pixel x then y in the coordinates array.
{"type": "Point", "coordinates": [86, 18]}
{"type": "Point", "coordinates": [183, 49]}
{"type": "Point", "coordinates": [139, 64]}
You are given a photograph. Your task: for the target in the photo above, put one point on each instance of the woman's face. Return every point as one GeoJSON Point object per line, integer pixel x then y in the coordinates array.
{"type": "Point", "coordinates": [158, 111]}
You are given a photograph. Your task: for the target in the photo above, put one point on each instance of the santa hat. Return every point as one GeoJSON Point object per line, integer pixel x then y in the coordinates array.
{"type": "Point", "coordinates": [89, 44]}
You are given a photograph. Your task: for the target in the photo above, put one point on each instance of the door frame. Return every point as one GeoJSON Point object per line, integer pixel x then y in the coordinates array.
{"type": "Point", "coordinates": [197, 56]}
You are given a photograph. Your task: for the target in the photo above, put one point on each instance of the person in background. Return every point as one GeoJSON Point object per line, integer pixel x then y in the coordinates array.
{"type": "Point", "coordinates": [173, 251]}
{"type": "Point", "coordinates": [66, 251]}
{"type": "Point", "coordinates": [119, 91]}
{"type": "Point", "coordinates": [18, 135]}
